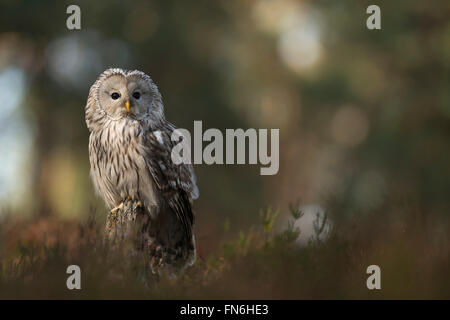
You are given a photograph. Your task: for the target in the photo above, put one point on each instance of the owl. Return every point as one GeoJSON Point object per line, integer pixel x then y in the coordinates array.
{"type": "Point", "coordinates": [130, 157]}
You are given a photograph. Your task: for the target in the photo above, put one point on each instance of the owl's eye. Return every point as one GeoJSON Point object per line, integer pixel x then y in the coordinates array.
{"type": "Point", "coordinates": [115, 95]}
{"type": "Point", "coordinates": [136, 95]}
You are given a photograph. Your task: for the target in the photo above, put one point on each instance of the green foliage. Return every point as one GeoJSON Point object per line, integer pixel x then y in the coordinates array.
{"type": "Point", "coordinates": [295, 211]}
{"type": "Point", "coordinates": [268, 219]}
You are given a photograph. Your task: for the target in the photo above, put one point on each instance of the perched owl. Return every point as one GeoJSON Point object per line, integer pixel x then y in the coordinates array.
{"type": "Point", "coordinates": [130, 156]}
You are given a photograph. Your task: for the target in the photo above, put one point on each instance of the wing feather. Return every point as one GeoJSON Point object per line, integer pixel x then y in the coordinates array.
{"type": "Point", "coordinates": [177, 183]}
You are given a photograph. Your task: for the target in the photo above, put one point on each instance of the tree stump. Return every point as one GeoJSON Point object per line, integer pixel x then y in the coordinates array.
{"type": "Point", "coordinates": [130, 230]}
{"type": "Point", "coordinates": [126, 236]}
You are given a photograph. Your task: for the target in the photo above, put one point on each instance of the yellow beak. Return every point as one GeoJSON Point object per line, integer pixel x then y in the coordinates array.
{"type": "Point", "coordinates": [127, 105]}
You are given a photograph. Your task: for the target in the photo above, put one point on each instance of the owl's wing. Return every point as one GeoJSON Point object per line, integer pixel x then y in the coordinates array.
{"type": "Point", "coordinates": [177, 183]}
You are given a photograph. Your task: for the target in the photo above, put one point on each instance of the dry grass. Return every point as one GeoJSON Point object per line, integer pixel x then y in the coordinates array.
{"type": "Point", "coordinates": [411, 248]}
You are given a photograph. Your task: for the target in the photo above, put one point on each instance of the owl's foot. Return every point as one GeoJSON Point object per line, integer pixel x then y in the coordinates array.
{"type": "Point", "coordinates": [136, 203]}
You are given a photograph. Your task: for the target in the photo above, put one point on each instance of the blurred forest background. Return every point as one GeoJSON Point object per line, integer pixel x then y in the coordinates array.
{"type": "Point", "coordinates": [364, 115]}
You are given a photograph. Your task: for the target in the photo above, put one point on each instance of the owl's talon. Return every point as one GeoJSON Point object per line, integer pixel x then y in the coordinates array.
{"type": "Point", "coordinates": [139, 204]}
{"type": "Point", "coordinates": [119, 207]}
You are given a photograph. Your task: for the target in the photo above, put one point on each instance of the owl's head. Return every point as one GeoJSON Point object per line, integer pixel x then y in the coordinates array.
{"type": "Point", "coordinates": [119, 94]}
